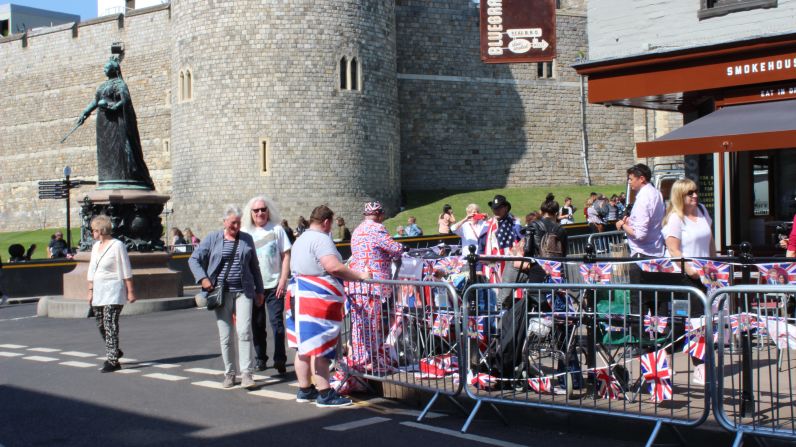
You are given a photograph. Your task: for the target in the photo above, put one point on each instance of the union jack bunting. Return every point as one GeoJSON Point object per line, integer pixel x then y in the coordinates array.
{"type": "Point", "coordinates": [713, 275]}
{"type": "Point", "coordinates": [313, 323]}
{"type": "Point", "coordinates": [662, 265]}
{"type": "Point", "coordinates": [442, 325]}
{"type": "Point", "coordinates": [597, 273]}
{"type": "Point", "coordinates": [541, 384]}
{"type": "Point", "coordinates": [695, 346]}
{"type": "Point", "coordinates": [654, 324]}
{"type": "Point", "coordinates": [439, 365]}
{"type": "Point", "coordinates": [607, 385]}
{"type": "Point", "coordinates": [777, 274]}
{"type": "Point", "coordinates": [482, 381]}
{"type": "Point", "coordinates": [655, 370]}
{"type": "Point", "coordinates": [743, 322]}
{"type": "Point", "coordinates": [782, 331]}
{"type": "Point", "coordinates": [552, 269]}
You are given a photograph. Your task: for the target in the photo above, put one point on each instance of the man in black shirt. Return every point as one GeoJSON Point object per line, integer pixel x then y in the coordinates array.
{"type": "Point", "coordinates": [57, 247]}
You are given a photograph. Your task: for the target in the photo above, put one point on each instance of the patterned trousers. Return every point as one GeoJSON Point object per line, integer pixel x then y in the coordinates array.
{"type": "Point", "coordinates": [366, 336]}
{"type": "Point", "coordinates": [107, 318]}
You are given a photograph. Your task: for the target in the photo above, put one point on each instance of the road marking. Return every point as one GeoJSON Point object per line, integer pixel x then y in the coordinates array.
{"type": "Point", "coordinates": [10, 354]}
{"type": "Point", "coordinates": [10, 346]}
{"type": "Point", "coordinates": [212, 372]}
{"type": "Point", "coordinates": [273, 394]}
{"type": "Point", "coordinates": [214, 385]}
{"type": "Point", "coordinates": [456, 434]}
{"type": "Point", "coordinates": [79, 354]}
{"type": "Point", "coordinates": [293, 384]}
{"type": "Point", "coordinates": [123, 360]}
{"type": "Point", "coordinates": [43, 349]}
{"type": "Point", "coordinates": [78, 364]}
{"type": "Point", "coordinates": [415, 413]}
{"type": "Point", "coordinates": [39, 358]}
{"type": "Point", "coordinates": [127, 371]}
{"type": "Point", "coordinates": [165, 365]}
{"type": "Point", "coordinates": [18, 318]}
{"type": "Point", "coordinates": [357, 424]}
{"type": "Point", "coordinates": [169, 377]}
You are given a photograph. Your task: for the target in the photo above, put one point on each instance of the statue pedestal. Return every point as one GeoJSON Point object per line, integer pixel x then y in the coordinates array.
{"type": "Point", "coordinates": [151, 277]}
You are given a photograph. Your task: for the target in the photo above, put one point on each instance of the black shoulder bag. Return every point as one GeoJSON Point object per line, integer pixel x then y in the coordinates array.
{"type": "Point", "coordinates": [215, 298]}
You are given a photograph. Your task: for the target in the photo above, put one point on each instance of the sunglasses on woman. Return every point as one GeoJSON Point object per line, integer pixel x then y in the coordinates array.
{"type": "Point", "coordinates": [693, 192]}
{"type": "Point", "coordinates": [259, 210]}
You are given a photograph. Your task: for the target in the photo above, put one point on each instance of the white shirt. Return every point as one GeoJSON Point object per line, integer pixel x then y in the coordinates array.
{"type": "Point", "coordinates": [470, 232]}
{"type": "Point", "coordinates": [694, 236]}
{"type": "Point", "coordinates": [271, 243]}
{"type": "Point", "coordinates": [645, 220]}
{"type": "Point", "coordinates": [108, 270]}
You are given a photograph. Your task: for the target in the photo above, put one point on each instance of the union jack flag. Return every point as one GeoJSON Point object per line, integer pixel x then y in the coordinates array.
{"type": "Point", "coordinates": [743, 322]}
{"type": "Point", "coordinates": [695, 346]}
{"type": "Point", "coordinates": [777, 274]}
{"type": "Point", "coordinates": [442, 325]}
{"type": "Point", "coordinates": [450, 265]}
{"type": "Point", "coordinates": [662, 265]}
{"type": "Point", "coordinates": [596, 273]}
{"type": "Point", "coordinates": [655, 370]}
{"type": "Point", "coordinates": [313, 323]}
{"type": "Point", "coordinates": [541, 384]}
{"type": "Point", "coordinates": [482, 381]}
{"type": "Point", "coordinates": [607, 385]}
{"type": "Point", "coordinates": [654, 324]}
{"type": "Point", "coordinates": [713, 275]}
{"type": "Point", "coordinates": [439, 365]}
{"type": "Point", "coordinates": [552, 269]}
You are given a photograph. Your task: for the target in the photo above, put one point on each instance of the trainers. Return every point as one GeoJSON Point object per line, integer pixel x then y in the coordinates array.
{"type": "Point", "coordinates": [280, 367]}
{"type": "Point", "coordinates": [109, 367]}
{"type": "Point", "coordinates": [332, 400]}
{"type": "Point", "coordinates": [260, 365]}
{"type": "Point", "coordinates": [246, 381]}
{"type": "Point", "coordinates": [229, 381]}
{"type": "Point", "coordinates": [307, 396]}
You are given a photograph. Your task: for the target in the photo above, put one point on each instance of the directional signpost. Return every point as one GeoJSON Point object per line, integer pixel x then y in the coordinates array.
{"type": "Point", "coordinates": [518, 31]}
{"type": "Point", "coordinates": [59, 189]}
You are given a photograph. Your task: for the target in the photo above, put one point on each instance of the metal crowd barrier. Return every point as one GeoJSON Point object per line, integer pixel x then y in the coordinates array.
{"type": "Point", "coordinates": [756, 361]}
{"type": "Point", "coordinates": [621, 350]}
{"type": "Point", "coordinates": [414, 336]}
{"type": "Point", "coordinates": [607, 243]}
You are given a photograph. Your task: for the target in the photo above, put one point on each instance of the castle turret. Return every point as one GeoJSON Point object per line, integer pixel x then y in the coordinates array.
{"type": "Point", "coordinates": [294, 99]}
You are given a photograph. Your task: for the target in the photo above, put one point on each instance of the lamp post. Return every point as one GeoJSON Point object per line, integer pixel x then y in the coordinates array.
{"type": "Point", "coordinates": [67, 174]}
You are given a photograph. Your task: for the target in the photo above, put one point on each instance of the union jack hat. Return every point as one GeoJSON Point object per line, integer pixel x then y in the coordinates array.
{"type": "Point", "coordinates": [373, 208]}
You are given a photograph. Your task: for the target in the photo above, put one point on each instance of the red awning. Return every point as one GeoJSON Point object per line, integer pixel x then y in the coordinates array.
{"type": "Point", "coordinates": [748, 127]}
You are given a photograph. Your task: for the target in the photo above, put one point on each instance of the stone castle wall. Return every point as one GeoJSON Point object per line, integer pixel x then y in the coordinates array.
{"type": "Point", "coordinates": [47, 80]}
{"type": "Point", "coordinates": [430, 115]}
{"type": "Point", "coordinates": [466, 123]}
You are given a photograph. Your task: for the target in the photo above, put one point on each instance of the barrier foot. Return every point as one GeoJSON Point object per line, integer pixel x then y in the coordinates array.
{"type": "Point", "coordinates": [457, 404]}
{"type": "Point", "coordinates": [679, 435]}
{"type": "Point", "coordinates": [471, 417]}
{"type": "Point", "coordinates": [655, 431]}
{"type": "Point", "coordinates": [428, 407]}
{"type": "Point", "coordinates": [738, 439]}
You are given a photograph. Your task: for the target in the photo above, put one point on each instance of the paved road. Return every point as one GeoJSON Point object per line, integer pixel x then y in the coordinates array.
{"type": "Point", "coordinates": [168, 393]}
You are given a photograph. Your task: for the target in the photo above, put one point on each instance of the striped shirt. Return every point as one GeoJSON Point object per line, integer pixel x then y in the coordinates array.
{"type": "Point", "coordinates": [234, 282]}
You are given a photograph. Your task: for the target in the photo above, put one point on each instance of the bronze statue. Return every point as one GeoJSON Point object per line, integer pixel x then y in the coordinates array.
{"type": "Point", "coordinates": [120, 160]}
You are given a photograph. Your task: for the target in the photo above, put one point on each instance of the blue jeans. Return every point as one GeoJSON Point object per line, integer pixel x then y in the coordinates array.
{"type": "Point", "coordinates": [275, 308]}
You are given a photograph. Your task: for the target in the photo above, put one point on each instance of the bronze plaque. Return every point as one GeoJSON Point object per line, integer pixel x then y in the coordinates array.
{"type": "Point", "coordinates": [518, 31]}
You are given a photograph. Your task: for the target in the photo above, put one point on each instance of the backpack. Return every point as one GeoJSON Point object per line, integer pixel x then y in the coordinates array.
{"type": "Point", "coordinates": [550, 244]}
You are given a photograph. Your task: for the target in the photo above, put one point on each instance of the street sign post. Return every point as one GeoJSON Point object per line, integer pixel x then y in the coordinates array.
{"type": "Point", "coordinates": [518, 31]}
{"type": "Point", "coordinates": [60, 190]}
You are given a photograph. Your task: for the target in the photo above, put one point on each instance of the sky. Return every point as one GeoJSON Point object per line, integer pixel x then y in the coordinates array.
{"type": "Point", "coordinates": [86, 9]}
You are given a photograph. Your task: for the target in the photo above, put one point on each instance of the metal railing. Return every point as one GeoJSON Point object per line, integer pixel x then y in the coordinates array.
{"type": "Point", "coordinates": [594, 349]}
{"type": "Point", "coordinates": [756, 361]}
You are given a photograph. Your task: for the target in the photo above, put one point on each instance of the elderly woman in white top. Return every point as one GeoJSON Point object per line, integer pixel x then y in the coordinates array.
{"type": "Point", "coordinates": [471, 228]}
{"type": "Point", "coordinates": [110, 285]}
{"type": "Point", "coordinates": [687, 226]}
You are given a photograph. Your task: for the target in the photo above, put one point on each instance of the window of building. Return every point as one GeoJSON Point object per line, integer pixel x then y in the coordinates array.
{"type": "Point", "coordinates": [545, 70]}
{"type": "Point", "coordinates": [167, 145]}
{"type": "Point", "coordinates": [263, 156]}
{"type": "Point", "coordinates": [186, 85]}
{"type": "Point", "coordinates": [353, 74]}
{"type": "Point", "coordinates": [4, 27]}
{"type": "Point", "coordinates": [343, 73]}
{"type": "Point", "coordinates": [716, 8]}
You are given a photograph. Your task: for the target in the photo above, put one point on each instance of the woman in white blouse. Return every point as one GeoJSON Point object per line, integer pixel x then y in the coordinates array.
{"type": "Point", "coordinates": [110, 285]}
{"type": "Point", "coordinates": [471, 228]}
{"type": "Point", "coordinates": [687, 226]}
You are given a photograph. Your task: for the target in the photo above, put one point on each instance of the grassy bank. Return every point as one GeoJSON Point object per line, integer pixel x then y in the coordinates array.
{"type": "Point", "coordinates": [39, 237]}
{"type": "Point", "coordinates": [427, 205]}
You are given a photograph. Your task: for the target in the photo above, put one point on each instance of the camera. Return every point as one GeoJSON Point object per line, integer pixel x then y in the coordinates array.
{"type": "Point", "coordinates": [479, 216]}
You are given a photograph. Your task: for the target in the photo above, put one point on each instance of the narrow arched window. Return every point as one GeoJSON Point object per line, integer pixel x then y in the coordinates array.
{"type": "Point", "coordinates": [181, 90]}
{"type": "Point", "coordinates": [354, 74]}
{"type": "Point", "coordinates": [343, 73]}
{"type": "Point", "coordinates": [188, 84]}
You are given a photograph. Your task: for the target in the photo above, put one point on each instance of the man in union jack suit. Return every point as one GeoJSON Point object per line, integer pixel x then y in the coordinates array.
{"type": "Point", "coordinates": [372, 250]}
